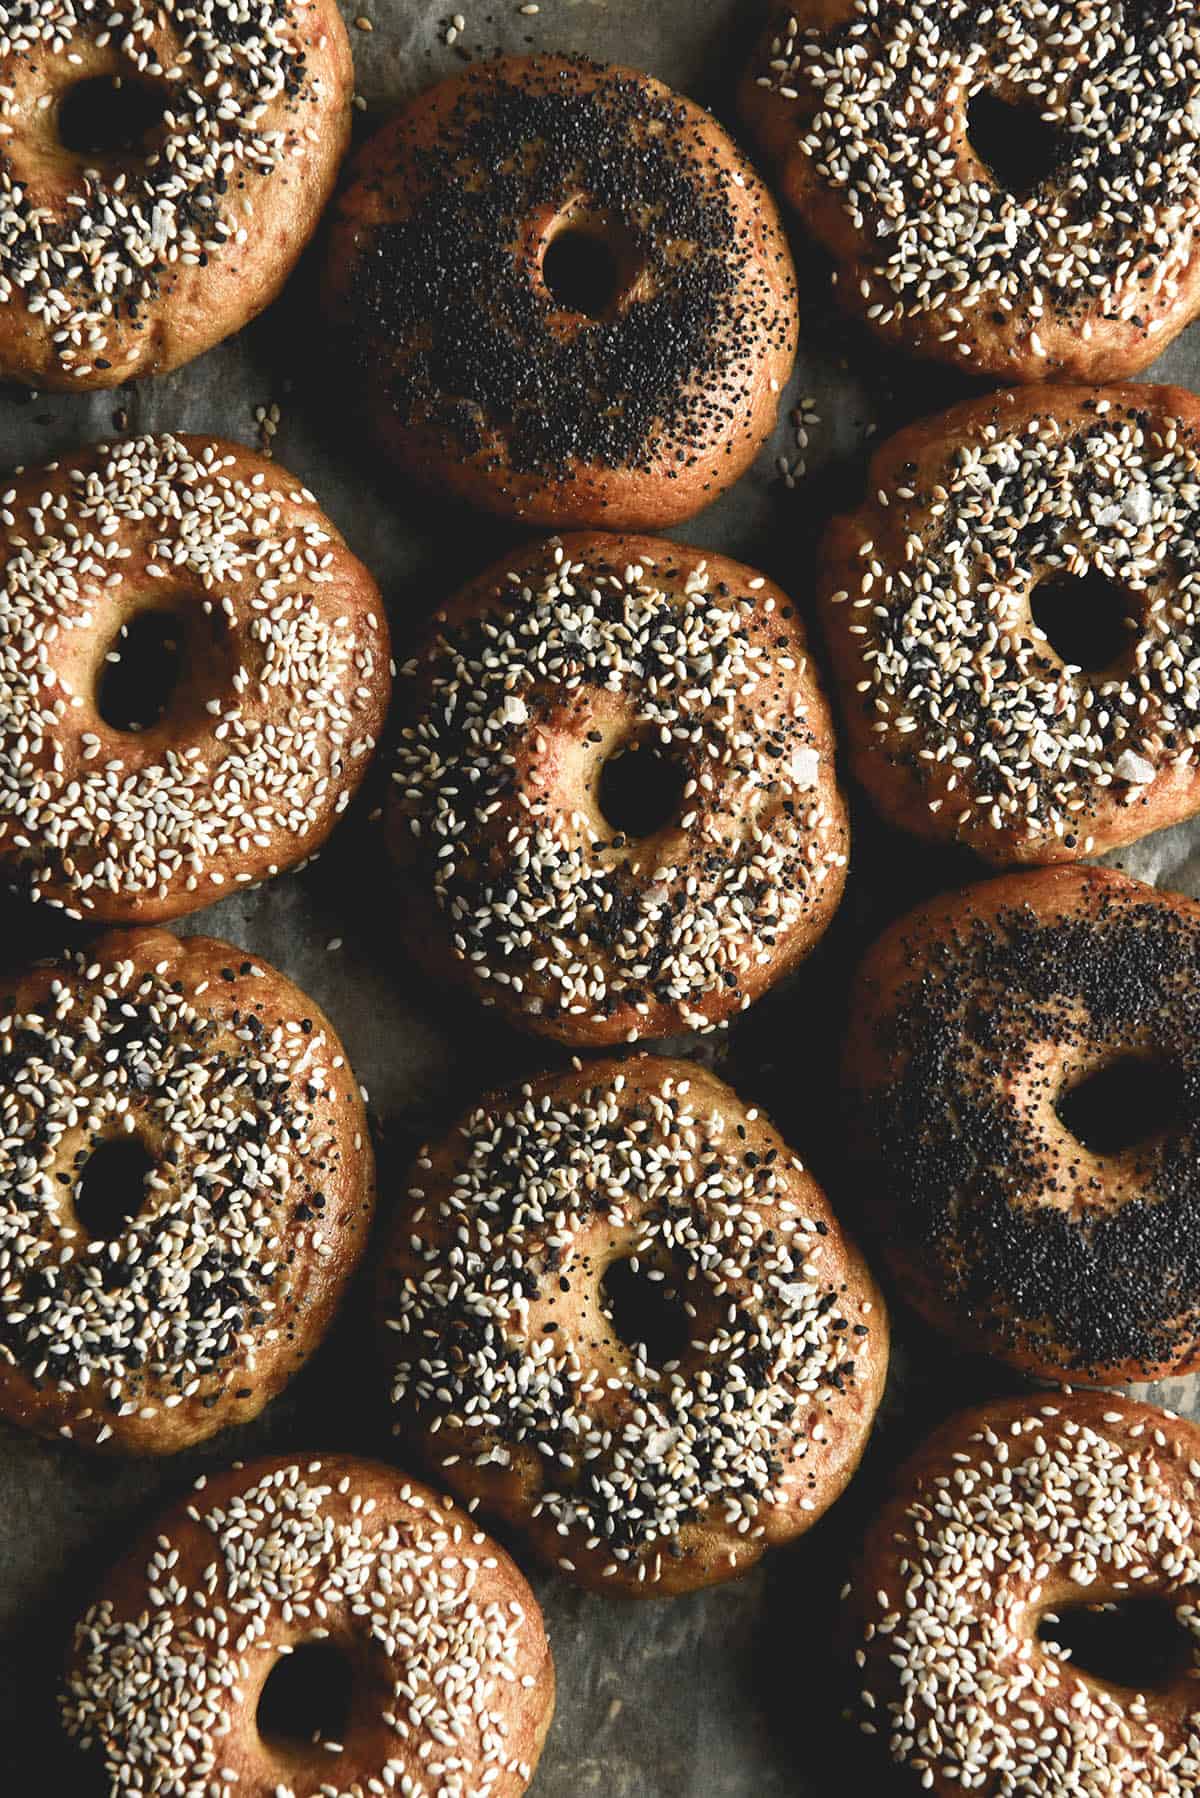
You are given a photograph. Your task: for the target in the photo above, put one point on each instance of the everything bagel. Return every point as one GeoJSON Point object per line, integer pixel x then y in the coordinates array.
{"type": "Point", "coordinates": [161, 169]}
{"type": "Point", "coordinates": [615, 808]}
{"type": "Point", "coordinates": [186, 1186]}
{"type": "Point", "coordinates": [1012, 618]}
{"type": "Point", "coordinates": [1012, 189]}
{"type": "Point", "coordinates": [621, 1315]}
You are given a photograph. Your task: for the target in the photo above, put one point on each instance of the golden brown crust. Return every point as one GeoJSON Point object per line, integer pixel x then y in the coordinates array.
{"type": "Point", "coordinates": [1009, 1517]}
{"type": "Point", "coordinates": [1020, 285]}
{"type": "Point", "coordinates": [961, 720]}
{"type": "Point", "coordinates": [202, 1293]}
{"type": "Point", "coordinates": [213, 248]}
{"type": "Point", "coordinates": [634, 418]}
{"type": "Point", "coordinates": [763, 1367]}
{"type": "Point", "coordinates": [282, 681]}
{"type": "Point", "coordinates": [972, 1022]}
{"type": "Point", "coordinates": [614, 936]}
{"type": "Point", "coordinates": [447, 1658]}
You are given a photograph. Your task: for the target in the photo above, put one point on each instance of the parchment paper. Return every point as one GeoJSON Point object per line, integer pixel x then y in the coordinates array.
{"type": "Point", "coordinates": [725, 1695]}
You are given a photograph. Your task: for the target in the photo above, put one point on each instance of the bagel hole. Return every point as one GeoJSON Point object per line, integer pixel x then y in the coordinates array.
{"type": "Point", "coordinates": [110, 116]}
{"type": "Point", "coordinates": [1085, 618]}
{"type": "Point", "coordinates": [307, 1696]}
{"type": "Point", "coordinates": [110, 1189]}
{"type": "Point", "coordinates": [140, 672]}
{"type": "Point", "coordinates": [1123, 1104]}
{"type": "Point", "coordinates": [644, 1313]}
{"type": "Point", "coordinates": [641, 791]}
{"type": "Point", "coordinates": [1018, 147]}
{"type": "Point", "coordinates": [588, 265]}
{"type": "Point", "coordinates": [1136, 1642]}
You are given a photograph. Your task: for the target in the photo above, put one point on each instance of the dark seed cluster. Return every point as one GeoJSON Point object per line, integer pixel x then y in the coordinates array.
{"type": "Point", "coordinates": [477, 346]}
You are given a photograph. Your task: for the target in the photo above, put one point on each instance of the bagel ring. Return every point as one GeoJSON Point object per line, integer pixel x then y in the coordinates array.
{"type": "Point", "coordinates": [1011, 190]}
{"type": "Point", "coordinates": [446, 1681]}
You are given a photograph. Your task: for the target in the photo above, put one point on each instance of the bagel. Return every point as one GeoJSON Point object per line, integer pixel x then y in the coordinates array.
{"type": "Point", "coordinates": [447, 1682]}
{"type": "Point", "coordinates": [186, 1186]}
{"type": "Point", "coordinates": [1023, 1078]}
{"type": "Point", "coordinates": [1013, 1520]}
{"type": "Point", "coordinates": [1013, 190]}
{"type": "Point", "coordinates": [201, 592]}
{"type": "Point", "coordinates": [563, 294]}
{"type": "Point", "coordinates": [673, 688]}
{"type": "Point", "coordinates": [1012, 619]}
{"type": "Point", "coordinates": [161, 169]}
{"type": "Point", "coordinates": [620, 1315]}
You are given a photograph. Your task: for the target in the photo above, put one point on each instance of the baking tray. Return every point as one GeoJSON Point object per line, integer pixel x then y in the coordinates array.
{"type": "Point", "coordinates": [720, 1695]}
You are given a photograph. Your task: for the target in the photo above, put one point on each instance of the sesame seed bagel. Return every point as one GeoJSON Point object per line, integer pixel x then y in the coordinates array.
{"type": "Point", "coordinates": [187, 1186]}
{"type": "Point", "coordinates": [261, 710]}
{"type": "Point", "coordinates": [1014, 190]}
{"type": "Point", "coordinates": [1009, 1519]}
{"type": "Point", "coordinates": [1023, 1066]}
{"type": "Point", "coordinates": [161, 169]}
{"type": "Point", "coordinates": [622, 1316]}
{"type": "Point", "coordinates": [565, 295]}
{"type": "Point", "coordinates": [1014, 621]}
{"type": "Point", "coordinates": [616, 810]}
{"type": "Point", "coordinates": [450, 1680]}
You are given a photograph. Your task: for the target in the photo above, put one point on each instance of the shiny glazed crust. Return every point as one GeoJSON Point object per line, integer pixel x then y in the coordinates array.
{"type": "Point", "coordinates": [957, 711]}
{"type": "Point", "coordinates": [649, 1476]}
{"type": "Point", "coordinates": [525, 427]}
{"type": "Point", "coordinates": [614, 937]}
{"type": "Point", "coordinates": [212, 249]}
{"type": "Point", "coordinates": [195, 1312]}
{"type": "Point", "coordinates": [937, 57]}
{"type": "Point", "coordinates": [1009, 1517]}
{"type": "Point", "coordinates": [451, 1646]}
{"type": "Point", "coordinates": [970, 1021]}
{"type": "Point", "coordinates": [283, 684]}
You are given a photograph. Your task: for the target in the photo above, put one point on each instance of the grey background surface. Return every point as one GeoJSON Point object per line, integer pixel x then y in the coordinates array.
{"type": "Point", "coordinates": [725, 1695]}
